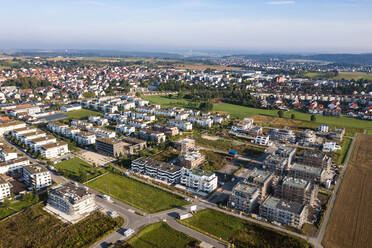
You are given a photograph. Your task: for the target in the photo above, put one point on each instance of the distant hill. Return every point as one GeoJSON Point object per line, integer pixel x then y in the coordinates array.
{"type": "Point", "coordinates": [93, 53]}
{"type": "Point", "coordinates": [356, 59]}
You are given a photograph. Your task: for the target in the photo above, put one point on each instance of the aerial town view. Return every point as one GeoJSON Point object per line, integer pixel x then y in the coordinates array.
{"type": "Point", "coordinates": [186, 124]}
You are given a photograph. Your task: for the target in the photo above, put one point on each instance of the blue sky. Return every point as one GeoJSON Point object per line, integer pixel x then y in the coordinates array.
{"type": "Point", "coordinates": [170, 25]}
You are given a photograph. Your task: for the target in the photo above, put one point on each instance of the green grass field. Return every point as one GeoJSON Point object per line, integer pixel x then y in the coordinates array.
{"type": "Point", "coordinates": [240, 112]}
{"type": "Point", "coordinates": [82, 114]}
{"type": "Point", "coordinates": [240, 232]}
{"type": "Point", "coordinates": [163, 236]}
{"type": "Point", "coordinates": [14, 207]}
{"type": "Point", "coordinates": [135, 193]}
{"type": "Point", "coordinates": [343, 75]}
{"type": "Point", "coordinates": [36, 228]}
{"type": "Point", "coordinates": [76, 168]}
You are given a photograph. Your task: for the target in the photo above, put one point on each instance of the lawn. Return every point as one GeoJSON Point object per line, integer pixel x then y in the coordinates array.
{"type": "Point", "coordinates": [237, 111]}
{"type": "Point", "coordinates": [36, 228]}
{"type": "Point", "coordinates": [240, 232]}
{"type": "Point", "coordinates": [167, 155]}
{"type": "Point", "coordinates": [344, 150]}
{"type": "Point", "coordinates": [343, 75]}
{"type": "Point", "coordinates": [161, 235]}
{"type": "Point", "coordinates": [16, 206]}
{"type": "Point", "coordinates": [78, 170]}
{"type": "Point", "coordinates": [137, 194]}
{"type": "Point", "coordinates": [82, 114]}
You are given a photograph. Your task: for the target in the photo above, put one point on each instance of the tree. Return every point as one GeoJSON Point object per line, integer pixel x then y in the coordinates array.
{"type": "Point", "coordinates": [180, 95]}
{"type": "Point", "coordinates": [170, 96]}
{"type": "Point", "coordinates": [138, 94]}
{"type": "Point", "coordinates": [293, 116]}
{"type": "Point", "coordinates": [82, 176]}
{"type": "Point", "coordinates": [206, 106]}
{"type": "Point", "coordinates": [280, 113]}
{"type": "Point", "coordinates": [312, 118]}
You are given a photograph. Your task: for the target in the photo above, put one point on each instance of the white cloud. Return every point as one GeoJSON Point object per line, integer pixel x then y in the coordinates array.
{"type": "Point", "coordinates": [280, 2]}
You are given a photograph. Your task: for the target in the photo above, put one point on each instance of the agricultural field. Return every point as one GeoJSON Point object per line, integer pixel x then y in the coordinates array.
{"type": "Point", "coordinates": [200, 66]}
{"type": "Point", "coordinates": [240, 232]}
{"type": "Point", "coordinates": [351, 218]}
{"type": "Point", "coordinates": [161, 235]}
{"type": "Point", "coordinates": [78, 170]}
{"type": "Point", "coordinates": [81, 114]}
{"type": "Point", "coordinates": [135, 193]}
{"type": "Point", "coordinates": [301, 119]}
{"type": "Point", "coordinates": [342, 75]}
{"type": "Point", "coordinates": [40, 229]}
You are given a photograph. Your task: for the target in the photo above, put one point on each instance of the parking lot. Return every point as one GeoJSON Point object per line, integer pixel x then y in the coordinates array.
{"type": "Point", "coordinates": [95, 158]}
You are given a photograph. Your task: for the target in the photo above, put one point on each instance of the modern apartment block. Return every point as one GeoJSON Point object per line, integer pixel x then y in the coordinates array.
{"type": "Point", "coordinates": [244, 197]}
{"type": "Point", "coordinates": [159, 170]}
{"type": "Point", "coordinates": [54, 150]}
{"type": "Point", "coordinates": [13, 165]}
{"type": "Point", "coordinates": [261, 180]}
{"type": "Point", "coordinates": [276, 164]}
{"type": "Point", "coordinates": [199, 180]}
{"type": "Point", "coordinates": [132, 145]}
{"type": "Point", "coordinates": [282, 135]}
{"type": "Point", "coordinates": [36, 177]}
{"type": "Point", "coordinates": [85, 138]}
{"type": "Point", "coordinates": [297, 190]}
{"type": "Point", "coordinates": [191, 159]}
{"type": "Point", "coordinates": [315, 159]}
{"type": "Point", "coordinates": [151, 135]}
{"type": "Point", "coordinates": [337, 134]}
{"type": "Point", "coordinates": [37, 143]}
{"type": "Point", "coordinates": [109, 147]}
{"type": "Point", "coordinates": [286, 152]}
{"type": "Point", "coordinates": [185, 145]}
{"type": "Point", "coordinates": [5, 128]}
{"type": "Point", "coordinates": [7, 154]}
{"type": "Point", "coordinates": [181, 125]}
{"type": "Point", "coordinates": [284, 212]}
{"type": "Point", "coordinates": [72, 200]}
{"type": "Point", "coordinates": [309, 173]}
{"type": "Point", "coordinates": [168, 130]}
{"type": "Point", "coordinates": [4, 190]}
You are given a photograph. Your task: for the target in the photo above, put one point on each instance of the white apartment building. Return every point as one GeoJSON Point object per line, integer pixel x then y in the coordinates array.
{"type": "Point", "coordinates": [72, 200]}
{"type": "Point", "coordinates": [36, 177]}
{"type": "Point", "coordinates": [7, 154]}
{"type": "Point", "coordinates": [54, 150]}
{"type": "Point", "coordinates": [4, 190]}
{"type": "Point", "coordinates": [261, 140]}
{"type": "Point", "coordinates": [71, 107]}
{"type": "Point", "coordinates": [182, 125]}
{"type": "Point", "coordinates": [27, 137]}
{"type": "Point", "coordinates": [323, 128]}
{"type": "Point", "coordinates": [330, 147]}
{"type": "Point", "coordinates": [85, 138]}
{"type": "Point", "coordinates": [13, 165]}
{"type": "Point", "coordinates": [18, 132]}
{"type": "Point", "coordinates": [199, 180]}
{"type": "Point", "coordinates": [204, 122]}
{"type": "Point", "coordinates": [56, 127]}
{"type": "Point", "coordinates": [5, 128]}
{"type": "Point", "coordinates": [102, 133]}
{"type": "Point", "coordinates": [124, 129]}
{"type": "Point", "coordinates": [35, 144]}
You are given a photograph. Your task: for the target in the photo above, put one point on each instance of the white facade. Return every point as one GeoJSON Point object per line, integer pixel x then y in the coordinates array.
{"type": "Point", "coordinates": [262, 140]}
{"type": "Point", "coordinates": [10, 166]}
{"type": "Point", "coordinates": [36, 177]}
{"type": "Point", "coordinates": [323, 128]}
{"type": "Point", "coordinates": [6, 154]}
{"type": "Point", "coordinates": [199, 180]}
{"type": "Point", "coordinates": [182, 125]}
{"type": "Point", "coordinates": [330, 147]}
{"type": "Point", "coordinates": [70, 108]}
{"type": "Point", "coordinates": [4, 190]}
{"type": "Point", "coordinates": [54, 150]}
{"type": "Point", "coordinates": [127, 130]}
{"type": "Point", "coordinates": [7, 127]}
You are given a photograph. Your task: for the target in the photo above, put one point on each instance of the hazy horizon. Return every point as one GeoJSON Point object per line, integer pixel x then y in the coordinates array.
{"type": "Point", "coordinates": [319, 26]}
